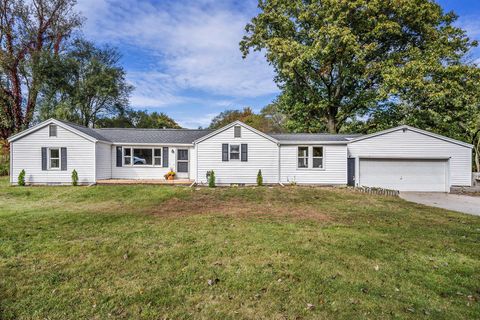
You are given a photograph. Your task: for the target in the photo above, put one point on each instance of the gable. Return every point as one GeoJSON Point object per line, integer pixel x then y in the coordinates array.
{"type": "Point", "coordinates": [228, 132]}
{"type": "Point", "coordinates": [43, 128]}
{"type": "Point", "coordinates": [406, 134]}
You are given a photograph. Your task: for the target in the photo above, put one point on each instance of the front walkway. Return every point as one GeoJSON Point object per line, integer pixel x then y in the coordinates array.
{"type": "Point", "coordinates": [454, 202]}
{"type": "Point", "coordinates": [184, 182]}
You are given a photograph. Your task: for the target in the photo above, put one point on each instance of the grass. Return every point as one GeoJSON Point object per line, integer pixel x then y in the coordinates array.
{"type": "Point", "coordinates": [152, 252]}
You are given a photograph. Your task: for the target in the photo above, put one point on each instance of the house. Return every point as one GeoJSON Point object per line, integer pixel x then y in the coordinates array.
{"type": "Point", "coordinates": [402, 158]}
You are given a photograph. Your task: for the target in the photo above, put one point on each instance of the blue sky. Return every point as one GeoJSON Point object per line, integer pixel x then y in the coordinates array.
{"type": "Point", "coordinates": [183, 57]}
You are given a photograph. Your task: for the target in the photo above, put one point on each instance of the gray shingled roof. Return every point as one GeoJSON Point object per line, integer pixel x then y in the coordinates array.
{"type": "Point", "coordinates": [88, 131]}
{"type": "Point", "coordinates": [134, 135]}
{"type": "Point", "coordinates": [313, 137]}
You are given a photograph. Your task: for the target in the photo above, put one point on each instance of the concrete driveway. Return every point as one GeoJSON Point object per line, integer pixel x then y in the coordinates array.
{"type": "Point", "coordinates": [454, 202]}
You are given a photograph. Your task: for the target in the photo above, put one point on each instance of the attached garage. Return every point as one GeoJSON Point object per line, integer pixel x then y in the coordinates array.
{"type": "Point", "coordinates": [409, 159]}
{"type": "Point", "coordinates": [405, 174]}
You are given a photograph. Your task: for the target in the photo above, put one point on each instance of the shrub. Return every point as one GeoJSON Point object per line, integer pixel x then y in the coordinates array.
{"type": "Point", "coordinates": [21, 178]}
{"type": "Point", "coordinates": [259, 178]}
{"type": "Point", "coordinates": [74, 178]}
{"type": "Point", "coordinates": [211, 179]}
{"type": "Point", "coordinates": [4, 166]}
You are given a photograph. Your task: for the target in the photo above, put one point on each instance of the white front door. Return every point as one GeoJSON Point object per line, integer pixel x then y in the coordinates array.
{"type": "Point", "coordinates": [405, 174]}
{"type": "Point", "coordinates": [182, 165]}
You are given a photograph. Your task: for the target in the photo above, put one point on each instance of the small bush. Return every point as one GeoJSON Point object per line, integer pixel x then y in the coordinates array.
{"type": "Point", "coordinates": [74, 178]}
{"type": "Point", "coordinates": [4, 167]}
{"type": "Point", "coordinates": [211, 179]}
{"type": "Point", "coordinates": [21, 178]}
{"type": "Point", "coordinates": [259, 178]}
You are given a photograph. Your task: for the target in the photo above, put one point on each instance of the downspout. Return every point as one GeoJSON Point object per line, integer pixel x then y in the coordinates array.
{"type": "Point", "coordinates": [279, 167]}
{"type": "Point", "coordinates": [195, 145]}
{"type": "Point", "coordinates": [95, 162]}
{"type": "Point", "coordinates": [11, 162]}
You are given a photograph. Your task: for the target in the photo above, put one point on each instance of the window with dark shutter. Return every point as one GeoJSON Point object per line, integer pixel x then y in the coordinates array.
{"type": "Point", "coordinates": [44, 159]}
{"type": "Point", "coordinates": [63, 156]}
{"type": "Point", "coordinates": [119, 156]}
{"type": "Point", "coordinates": [225, 152]}
{"type": "Point", "coordinates": [237, 132]}
{"type": "Point", "coordinates": [165, 157]}
{"type": "Point", "coordinates": [244, 148]}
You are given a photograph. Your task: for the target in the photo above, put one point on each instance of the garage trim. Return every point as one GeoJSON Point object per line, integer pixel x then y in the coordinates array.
{"type": "Point", "coordinates": [400, 158]}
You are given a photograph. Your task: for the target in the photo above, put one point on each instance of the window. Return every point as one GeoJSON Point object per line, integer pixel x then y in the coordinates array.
{"type": "Point", "coordinates": [54, 158]}
{"type": "Point", "coordinates": [237, 132]}
{"type": "Point", "coordinates": [182, 160]}
{"type": "Point", "coordinates": [303, 157]}
{"type": "Point", "coordinates": [127, 156]}
{"type": "Point", "coordinates": [317, 157]}
{"type": "Point", "coordinates": [310, 157]}
{"type": "Point", "coordinates": [142, 157]}
{"type": "Point", "coordinates": [52, 130]}
{"type": "Point", "coordinates": [157, 157]}
{"type": "Point", "coordinates": [234, 152]}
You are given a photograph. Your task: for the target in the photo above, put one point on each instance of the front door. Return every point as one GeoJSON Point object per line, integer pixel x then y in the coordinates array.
{"type": "Point", "coordinates": [351, 172]}
{"type": "Point", "coordinates": [182, 163]}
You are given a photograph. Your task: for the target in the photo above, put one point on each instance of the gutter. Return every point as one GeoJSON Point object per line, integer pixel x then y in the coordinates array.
{"type": "Point", "coordinates": [279, 179]}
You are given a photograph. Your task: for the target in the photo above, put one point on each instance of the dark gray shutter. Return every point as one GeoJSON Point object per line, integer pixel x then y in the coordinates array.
{"type": "Point", "coordinates": [244, 151]}
{"type": "Point", "coordinates": [44, 159]}
{"type": "Point", "coordinates": [225, 152]}
{"type": "Point", "coordinates": [165, 157]}
{"type": "Point", "coordinates": [63, 156]}
{"type": "Point", "coordinates": [119, 156]}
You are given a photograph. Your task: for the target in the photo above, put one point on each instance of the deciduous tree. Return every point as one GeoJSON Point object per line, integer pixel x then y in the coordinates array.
{"type": "Point", "coordinates": [334, 59]}
{"type": "Point", "coordinates": [29, 30]}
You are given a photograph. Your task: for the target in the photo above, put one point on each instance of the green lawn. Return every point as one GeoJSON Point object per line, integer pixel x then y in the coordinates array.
{"type": "Point", "coordinates": [150, 252]}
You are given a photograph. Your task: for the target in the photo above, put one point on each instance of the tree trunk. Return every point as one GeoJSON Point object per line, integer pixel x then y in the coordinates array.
{"type": "Point", "coordinates": [332, 120]}
{"type": "Point", "coordinates": [477, 157]}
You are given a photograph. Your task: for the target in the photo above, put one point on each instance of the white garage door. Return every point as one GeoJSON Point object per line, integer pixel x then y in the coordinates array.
{"type": "Point", "coordinates": [404, 175]}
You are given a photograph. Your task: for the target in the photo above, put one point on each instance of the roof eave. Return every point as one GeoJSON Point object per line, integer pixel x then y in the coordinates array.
{"type": "Point", "coordinates": [228, 126]}
{"type": "Point", "coordinates": [282, 142]}
{"type": "Point", "coordinates": [47, 122]}
{"type": "Point", "coordinates": [407, 127]}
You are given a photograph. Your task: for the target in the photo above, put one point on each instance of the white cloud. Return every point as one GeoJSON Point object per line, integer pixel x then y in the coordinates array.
{"type": "Point", "coordinates": [194, 46]}
{"type": "Point", "coordinates": [471, 24]}
{"type": "Point", "coordinates": [196, 122]}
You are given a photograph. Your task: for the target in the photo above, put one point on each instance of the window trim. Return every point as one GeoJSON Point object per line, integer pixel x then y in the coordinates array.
{"type": "Point", "coordinates": [307, 157]}
{"type": "Point", "coordinates": [230, 152]}
{"type": "Point", "coordinates": [322, 157]}
{"type": "Point", "coordinates": [142, 165]}
{"type": "Point", "coordinates": [310, 157]}
{"type": "Point", "coordinates": [235, 131]}
{"type": "Point", "coordinates": [49, 158]}
{"type": "Point", "coordinates": [50, 131]}
{"type": "Point", "coordinates": [157, 157]}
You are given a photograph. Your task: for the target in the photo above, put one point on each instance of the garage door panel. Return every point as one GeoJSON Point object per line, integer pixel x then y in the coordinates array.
{"type": "Point", "coordinates": [404, 175]}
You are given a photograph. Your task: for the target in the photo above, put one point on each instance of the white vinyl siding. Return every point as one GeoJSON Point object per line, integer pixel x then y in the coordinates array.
{"type": "Point", "coordinates": [27, 155]}
{"type": "Point", "coordinates": [146, 171]}
{"type": "Point", "coordinates": [262, 154]}
{"type": "Point", "coordinates": [104, 161]}
{"type": "Point", "coordinates": [334, 171]}
{"type": "Point", "coordinates": [410, 144]}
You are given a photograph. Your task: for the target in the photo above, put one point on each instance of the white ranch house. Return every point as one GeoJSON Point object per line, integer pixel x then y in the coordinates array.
{"type": "Point", "coordinates": [402, 158]}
